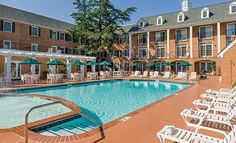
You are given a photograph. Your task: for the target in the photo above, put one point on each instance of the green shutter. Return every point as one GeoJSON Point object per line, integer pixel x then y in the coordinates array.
{"type": "Point", "coordinates": [13, 27]}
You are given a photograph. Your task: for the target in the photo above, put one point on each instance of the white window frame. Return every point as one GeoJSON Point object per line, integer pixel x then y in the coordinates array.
{"type": "Point", "coordinates": [207, 11]}
{"type": "Point", "coordinates": [142, 55]}
{"type": "Point", "coordinates": [141, 24]}
{"type": "Point", "coordinates": [227, 35]}
{"type": "Point", "coordinates": [181, 30]}
{"type": "Point", "coordinates": [159, 19]}
{"type": "Point", "coordinates": [205, 44]}
{"type": "Point", "coordinates": [156, 54]}
{"type": "Point", "coordinates": [233, 4]}
{"type": "Point", "coordinates": [7, 22]}
{"type": "Point", "coordinates": [206, 27]}
{"type": "Point", "coordinates": [37, 31]}
{"type": "Point", "coordinates": [176, 51]}
{"type": "Point", "coordinates": [163, 37]}
{"type": "Point", "coordinates": [205, 63]}
{"type": "Point", "coordinates": [56, 48]}
{"type": "Point", "coordinates": [7, 41]}
{"type": "Point", "coordinates": [56, 35]}
{"type": "Point", "coordinates": [64, 38]}
{"type": "Point", "coordinates": [182, 15]}
{"type": "Point", "coordinates": [140, 38]}
{"type": "Point", "coordinates": [34, 44]}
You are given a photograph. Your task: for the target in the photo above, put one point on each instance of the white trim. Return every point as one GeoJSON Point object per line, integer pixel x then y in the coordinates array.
{"type": "Point", "coordinates": [206, 43]}
{"type": "Point", "coordinates": [221, 54]}
{"type": "Point", "coordinates": [191, 41]}
{"type": "Point", "coordinates": [163, 37]}
{"type": "Point", "coordinates": [34, 44]}
{"type": "Point", "coordinates": [205, 26]}
{"type": "Point", "coordinates": [181, 45]}
{"type": "Point", "coordinates": [7, 41]}
{"type": "Point", "coordinates": [32, 31]}
{"type": "Point", "coordinates": [130, 45]}
{"type": "Point", "coordinates": [7, 22]}
{"type": "Point", "coordinates": [205, 10]}
{"type": "Point", "coordinates": [218, 38]}
{"type": "Point", "coordinates": [140, 48]}
{"type": "Point", "coordinates": [182, 29]}
{"type": "Point", "coordinates": [159, 18]}
{"type": "Point", "coordinates": [227, 29]}
{"type": "Point", "coordinates": [160, 47]}
{"type": "Point", "coordinates": [182, 15]}
{"type": "Point", "coordinates": [21, 53]}
{"type": "Point", "coordinates": [148, 45]}
{"type": "Point", "coordinates": [56, 35]}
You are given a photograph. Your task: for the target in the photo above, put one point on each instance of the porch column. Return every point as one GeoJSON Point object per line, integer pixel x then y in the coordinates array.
{"type": "Point", "coordinates": [191, 42]}
{"type": "Point", "coordinates": [168, 43]}
{"type": "Point", "coordinates": [148, 45]}
{"type": "Point", "coordinates": [33, 68]}
{"type": "Point", "coordinates": [218, 38]}
{"type": "Point", "coordinates": [52, 68]}
{"type": "Point", "coordinates": [93, 68]}
{"type": "Point", "coordinates": [68, 69]}
{"type": "Point", "coordinates": [130, 46]}
{"type": "Point", "coordinates": [82, 69]}
{"type": "Point", "coordinates": [7, 68]}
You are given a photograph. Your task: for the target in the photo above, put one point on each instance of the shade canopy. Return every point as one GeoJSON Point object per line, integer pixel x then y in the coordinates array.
{"type": "Point", "coordinates": [30, 61]}
{"type": "Point", "coordinates": [152, 64]}
{"type": "Point", "coordinates": [55, 62]}
{"type": "Point", "coordinates": [105, 63]}
{"type": "Point", "coordinates": [168, 64]}
{"type": "Point", "coordinates": [136, 64]}
{"type": "Point", "coordinates": [92, 63]}
{"type": "Point", "coordinates": [186, 64]}
{"type": "Point", "coordinates": [77, 63]}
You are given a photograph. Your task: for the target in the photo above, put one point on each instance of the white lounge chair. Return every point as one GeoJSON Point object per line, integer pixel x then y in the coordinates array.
{"type": "Point", "coordinates": [201, 116]}
{"type": "Point", "coordinates": [193, 76]}
{"type": "Point", "coordinates": [222, 90]}
{"type": "Point", "coordinates": [166, 75]}
{"type": "Point", "coordinates": [102, 75]}
{"type": "Point", "coordinates": [136, 74]}
{"type": "Point", "coordinates": [183, 136]}
{"type": "Point", "coordinates": [145, 74]}
{"type": "Point", "coordinates": [219, 97]}
{"type": "Point", "coordinates": [155, 74]}
{"type": "Point", "coordinates": [179, 75]}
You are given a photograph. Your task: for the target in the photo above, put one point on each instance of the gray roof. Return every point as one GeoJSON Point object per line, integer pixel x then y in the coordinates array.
{"type": "Point", "coordinates": [10, 13]}
{"type": "Point", "coordinates": [218, 13]}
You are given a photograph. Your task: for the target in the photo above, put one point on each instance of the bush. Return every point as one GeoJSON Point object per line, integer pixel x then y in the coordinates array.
{"type": "Point", "coordinates": [234, 84]}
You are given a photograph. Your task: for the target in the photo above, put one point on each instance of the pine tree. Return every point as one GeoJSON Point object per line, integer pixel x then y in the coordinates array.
{"type": "Point", "coordinates": [98, 21]}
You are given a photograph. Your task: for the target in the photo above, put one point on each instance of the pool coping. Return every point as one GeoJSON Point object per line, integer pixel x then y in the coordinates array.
{"type": "Point", "coordinates": [42, 138]}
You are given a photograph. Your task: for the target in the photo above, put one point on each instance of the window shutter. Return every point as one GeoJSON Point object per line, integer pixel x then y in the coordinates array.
{"type": "Point", "coordinates": [66, 37]}
{"type": "Point", "coordinates": [13, 27]}
{"type": "Point", "coordinates": [1, 24]}
{"type": "Point", "coordinates": [58, 35]}
{"type": "Point", "coordinates": [50, 34]}
{"type": "Point", "coordinates": [30, 29]}
{"type": "Point", "coordinates": [39, 32]}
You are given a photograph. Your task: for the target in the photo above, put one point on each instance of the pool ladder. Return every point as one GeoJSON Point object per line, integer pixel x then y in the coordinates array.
{"type": "Point", "coordinates": [46, 105]}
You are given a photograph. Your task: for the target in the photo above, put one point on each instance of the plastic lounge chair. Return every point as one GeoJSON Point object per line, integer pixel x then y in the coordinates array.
{"type": "Point", "coordinates": [155, 74]}
{"type": "Point", "coordinates": [179, 75]}
{"type": "Point", "coordinates": [166, 75]}
{"type": "Point", "coordinates": [145, 74]}
{"type": "Point", "coordinates": [193, 76]}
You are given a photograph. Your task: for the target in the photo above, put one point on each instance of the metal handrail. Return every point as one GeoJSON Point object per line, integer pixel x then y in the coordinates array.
{"type": "Point", "coordinates": [46, 105]}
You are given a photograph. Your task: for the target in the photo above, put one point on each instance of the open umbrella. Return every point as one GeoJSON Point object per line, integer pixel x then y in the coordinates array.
{"type": "Point", "coordinates": [136, 64]}
{"type": "Point", "coordinates": [167, 64]}
{"type": "Point", "coordinates": [77, 63]}
{"type": "Point", "coordinates": [30, 61]}
{"type": "Point", "coordinates": [185, 64]}
{"type": "Point", "coordinates": [152, 64]}
{"type": "Point", "coordinates": [92, 63]}
{"type": "Point", "coordinates": [55, 62]}
{"type": "Point", "coordinates": [105, 63]}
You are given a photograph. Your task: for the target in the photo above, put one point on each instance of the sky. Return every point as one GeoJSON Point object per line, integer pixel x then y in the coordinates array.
{"type": "Point", "coordinates": [62, 9]}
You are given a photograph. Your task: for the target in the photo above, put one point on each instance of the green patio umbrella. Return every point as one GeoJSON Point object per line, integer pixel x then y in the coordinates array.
{"type": "Point", "coordinates": [105, 63]}
{"type": "Point", "coordinates": [136, 64]}
{"type": "Point", "coordinates": [92, 63]}
{"type": "Point", "coordinates": [55, 62]}
{"type": "Point", "coordinates": [77, 63]}
{"type": "Point", "coordinates": [152, 64]}
{"type": "Point", "coordinates": [167, 64]}
{"type": "Point", "coordinates": [30, 61]}
{"type": "Point", "coordinates": [185, 64]}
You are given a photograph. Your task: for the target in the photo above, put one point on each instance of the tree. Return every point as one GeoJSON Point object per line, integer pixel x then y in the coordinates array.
{"type": "Point", "coordinates": [98, 23]}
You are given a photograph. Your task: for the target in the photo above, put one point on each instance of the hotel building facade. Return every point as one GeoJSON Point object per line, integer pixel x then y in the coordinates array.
{"type": "Point", "coordinates": [203, 37]}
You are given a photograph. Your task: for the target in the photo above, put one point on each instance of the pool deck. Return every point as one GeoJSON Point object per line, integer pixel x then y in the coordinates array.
{"type": "Point", "coordinates": [141, 127]}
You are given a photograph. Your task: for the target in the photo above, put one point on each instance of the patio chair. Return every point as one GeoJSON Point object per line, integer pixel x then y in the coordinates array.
{"type": "Point", "coordinates": [219, 97]}
{"type": "Point", "coordinates": [145, 74]}
{"type": "Point", "coordinates": [222, 90]}
{"type": "Point", "coordinates": [103, 75]}
{"type": "Point", "coordinates": [166, 75]}
{"type": "Point", "coordinates": [193, 76]}
{"type": "Point", "coordinates": [179, 76]}
{"type": "Point", "coordinates": [155, 74]}
{"type": "Point", "coordinates": [135, 74]}
{"type": "Point", "coordinates": [183, 136]}
{"type": "Point", "coordinates": [23, 79]}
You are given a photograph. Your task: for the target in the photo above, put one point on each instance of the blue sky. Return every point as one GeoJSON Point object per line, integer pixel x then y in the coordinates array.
{"type": "Point", "coordinates": [61, 9]}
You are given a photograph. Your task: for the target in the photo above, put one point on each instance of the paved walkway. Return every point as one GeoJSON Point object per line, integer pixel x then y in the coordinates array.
{"type": "Point", "coordinates": [142, 127]}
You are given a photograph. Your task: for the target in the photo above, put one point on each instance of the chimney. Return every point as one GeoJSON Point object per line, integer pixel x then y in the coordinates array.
{"type": "Point", "coordinates": [186, 5]}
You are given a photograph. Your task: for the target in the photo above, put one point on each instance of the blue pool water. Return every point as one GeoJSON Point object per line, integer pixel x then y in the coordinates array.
{"type": "Point", "coordinates": [108, 100]}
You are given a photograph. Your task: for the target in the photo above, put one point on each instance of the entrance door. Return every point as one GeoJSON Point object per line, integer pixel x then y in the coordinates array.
{"type": "Point", "coordinates": [15, 70]}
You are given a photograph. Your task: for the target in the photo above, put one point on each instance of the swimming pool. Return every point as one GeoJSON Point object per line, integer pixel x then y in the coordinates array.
{"type": "Point", "coordinates": [14, 108]}
{"type": "Point", "coordinates": [106, 101]}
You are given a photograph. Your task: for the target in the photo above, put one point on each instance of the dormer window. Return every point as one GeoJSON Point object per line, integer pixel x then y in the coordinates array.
{"type": "Point", "coordinates": [141, 24]}
{"type": "Point", "coordinates": [181, 17]}
{"type": "Point", "coordinates": [232, 8]}
{"type": "Point", "coordinates": [205, 13]}
{"type": "Point", "coordinates": [159, 20]}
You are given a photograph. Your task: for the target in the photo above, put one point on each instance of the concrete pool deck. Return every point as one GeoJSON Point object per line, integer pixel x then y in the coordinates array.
{"type": "Point", "coordinates": [142, 127]}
